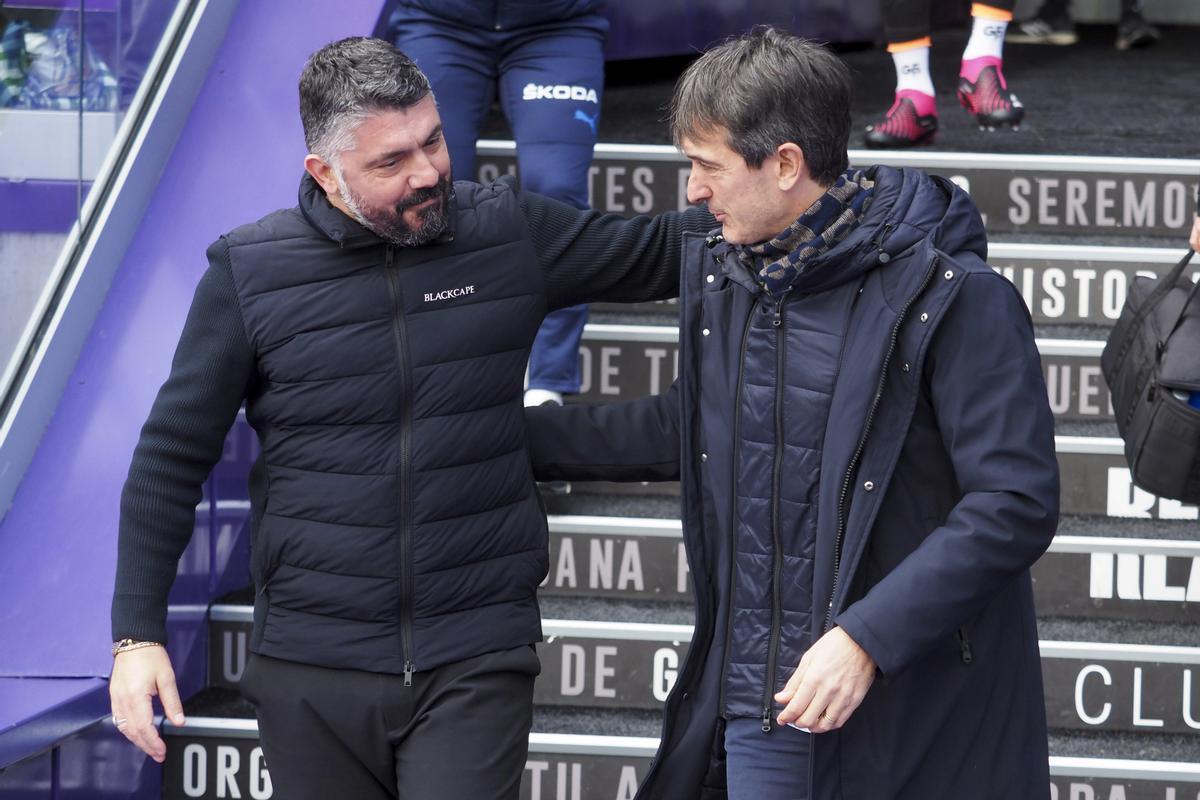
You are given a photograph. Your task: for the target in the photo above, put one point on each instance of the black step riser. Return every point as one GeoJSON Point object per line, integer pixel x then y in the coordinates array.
{"type": "Point", "coordinates": [1057, 291]}
{"type": "Point", "coordinates": [634, 567]}
{"type": "Point", "coordinates": [614, 369]}
{"type": "Point", "coordinates": [218, 767]}
{"type": "Point", "coordinates": [1134, 586]}
{"type": "Point", "coordinates": [1117, 789]}
{"type": "Point", "coordinates": [1147, 586]}
{"type": "Point", "coordinates": [1021, 196]}
{"type": "Point", "coordinates": [617, 671]}
{"type": "Point", "coordinates": [1093, 484]}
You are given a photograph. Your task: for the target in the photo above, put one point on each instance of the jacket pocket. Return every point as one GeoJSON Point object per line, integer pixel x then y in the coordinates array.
{"type": "Point", "coordinates": [1165, 460]}
{"type": "Point", "coordinates": [714, 784]}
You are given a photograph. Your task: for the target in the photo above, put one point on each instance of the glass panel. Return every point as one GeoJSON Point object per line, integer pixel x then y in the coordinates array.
{"type": "Point", "coordinates": [69, 71]}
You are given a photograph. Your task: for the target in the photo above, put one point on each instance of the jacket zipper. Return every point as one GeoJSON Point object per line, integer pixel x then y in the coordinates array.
{"type": "Point", "coordinates": [776, 534]}
{"type": "Point", "coordinates": [398, 332]}
{"type": "Point", "coordinates": [964, 645]}
{"type": "Point", "coordinates": [862, 441]}
{"type": "Point", "coordinates": [737, 426]}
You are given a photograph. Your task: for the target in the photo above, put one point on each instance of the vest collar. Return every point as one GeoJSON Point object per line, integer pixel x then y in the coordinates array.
{"type": "Point", "coordinates": [345, 230]}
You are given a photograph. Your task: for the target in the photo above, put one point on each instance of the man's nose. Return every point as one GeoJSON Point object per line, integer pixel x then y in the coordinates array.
{"type": "Point", "coordinates": [425, 172]}
{"type": "Point", "coordinates": [697, 190]}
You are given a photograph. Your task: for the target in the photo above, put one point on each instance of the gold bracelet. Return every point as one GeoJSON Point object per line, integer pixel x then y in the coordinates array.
{"type": "Point", "coordinates": [125, 645]}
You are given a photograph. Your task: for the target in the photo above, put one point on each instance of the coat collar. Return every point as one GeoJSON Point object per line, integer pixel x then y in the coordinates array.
{"type": "Point", "coordinates": [335, 225]}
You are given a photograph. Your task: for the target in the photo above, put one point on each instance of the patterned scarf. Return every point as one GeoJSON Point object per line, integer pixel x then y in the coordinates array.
{"type": "Point", "coordinates": [829, 220]}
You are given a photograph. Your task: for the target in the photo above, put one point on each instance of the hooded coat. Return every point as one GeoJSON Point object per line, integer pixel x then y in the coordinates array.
{"type": "Point", "coordinates": [934, 489]}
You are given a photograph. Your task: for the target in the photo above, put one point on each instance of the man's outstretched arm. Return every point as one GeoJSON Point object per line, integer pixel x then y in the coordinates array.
{"type": "Point", "coordinates": [636, 440]}
{"type": "Point", "coordinates": [587, 256]}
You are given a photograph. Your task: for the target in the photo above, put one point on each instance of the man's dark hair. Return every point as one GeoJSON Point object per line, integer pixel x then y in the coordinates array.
{"type": "Point", "coordinates": [765, 88]}
{"type": "Point", "coordinates": [345, 81]}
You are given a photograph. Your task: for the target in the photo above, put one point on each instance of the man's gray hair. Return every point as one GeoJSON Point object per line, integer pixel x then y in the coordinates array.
{"type": "Point", "coordinates": [346, 81]}
{"type": "Point", "coordinates": [766, 88]}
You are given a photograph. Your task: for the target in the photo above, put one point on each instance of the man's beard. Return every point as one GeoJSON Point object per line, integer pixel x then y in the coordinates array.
{"type": "Point", "coordinates": [389, 224]}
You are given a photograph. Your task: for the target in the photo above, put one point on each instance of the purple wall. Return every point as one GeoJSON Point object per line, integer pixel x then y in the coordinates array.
{"type": "Point", "coordinates": [97, 764]}
{"type": "Point", "coordinates": [40, 206]}
{"type": "Point", "coordinates": [239, 157]}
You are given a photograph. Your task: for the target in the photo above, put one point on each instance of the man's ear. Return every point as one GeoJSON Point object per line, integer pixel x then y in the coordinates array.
{"type": "Point", "coordinates": [791, 166]}
{"type": "Point", "coordinates": [322, 173]}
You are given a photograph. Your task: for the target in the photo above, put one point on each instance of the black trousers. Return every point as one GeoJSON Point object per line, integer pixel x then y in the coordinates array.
{"type": "Point", "coordinates": [460, 731]}
{"type": "Point", "coordinates": [908, 20]}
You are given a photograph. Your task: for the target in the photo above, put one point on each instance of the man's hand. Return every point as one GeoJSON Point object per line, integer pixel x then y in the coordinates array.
{"type": "Point", "coordinates": [832, 679]}
{"type": "Point", "coordinates": [137, 676]}
{"type": "Point", "coordinates": [1195, 240]}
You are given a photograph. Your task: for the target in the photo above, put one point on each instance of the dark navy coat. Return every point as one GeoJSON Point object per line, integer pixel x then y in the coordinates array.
{"type": "Point", "coordinates": [938, 489]}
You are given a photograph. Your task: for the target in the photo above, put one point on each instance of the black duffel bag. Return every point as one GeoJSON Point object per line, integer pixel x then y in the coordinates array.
{"type": "Point", "coordinates": [1152, 365]}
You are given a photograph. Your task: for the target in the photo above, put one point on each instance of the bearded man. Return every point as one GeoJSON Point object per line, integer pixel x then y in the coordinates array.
{"type": "Point", "coordinates": [377, 333]}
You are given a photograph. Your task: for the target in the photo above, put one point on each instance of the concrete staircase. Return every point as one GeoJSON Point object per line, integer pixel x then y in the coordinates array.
{"type": "Point", "coordinates": [1118, 594]}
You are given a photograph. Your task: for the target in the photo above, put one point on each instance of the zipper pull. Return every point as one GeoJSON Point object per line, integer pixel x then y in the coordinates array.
{"type": "Point", "coordinates": [965, 646]}
{"type": "Point", "coordinates": [766, 720]}
{"type": "Point", "coordinates": [408, 673]}
{"type": "Point", "coordinates": [778, 321]}
{"type": "Point", "coordinates": [391, 256]}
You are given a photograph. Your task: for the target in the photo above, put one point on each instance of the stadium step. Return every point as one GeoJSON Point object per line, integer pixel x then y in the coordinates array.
{"type": "Point", "coordinates": [620, 362]}
{"type": "Point", "coordinates": [1090, 575]}
{"type": "Point", "coordinates": [1077, 287]}
{"type": "Point", "coordinates": [618, 624]}
{"type": "Point", "coordinates": [220, 757]}
{"type": "Point", "coordinates": [1084, 576]}
{"type": "Point", "coordinates": [1118, 592]}
{"type": "Point", "coordinates": [1095, 482]}
{"type": "Point", "coordinates": [618, 664]}
{"type": "Point", "coordinates": [1103, 200]}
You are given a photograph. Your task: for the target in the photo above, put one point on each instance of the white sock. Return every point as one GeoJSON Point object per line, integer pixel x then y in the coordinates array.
{"type": "Point", "coordinates": [536, 397]}
{"type": "Point", "coordinates": [912, 70]}
{"type": "Point", "coordinates": [987, 39]}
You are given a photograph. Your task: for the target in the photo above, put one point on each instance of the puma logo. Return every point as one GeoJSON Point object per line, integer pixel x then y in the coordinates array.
{"type": "Point", "coordinates": [591, 121]}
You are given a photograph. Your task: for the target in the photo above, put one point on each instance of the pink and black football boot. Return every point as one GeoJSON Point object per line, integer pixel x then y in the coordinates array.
{"type": "Point", "coordinates": [983, 92]}
{"type": "Point", "coordinates": [912, 120]}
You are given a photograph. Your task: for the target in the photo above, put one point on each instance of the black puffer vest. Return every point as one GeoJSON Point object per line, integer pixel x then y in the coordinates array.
{"type": "Point", "coordinates": [397, 524]}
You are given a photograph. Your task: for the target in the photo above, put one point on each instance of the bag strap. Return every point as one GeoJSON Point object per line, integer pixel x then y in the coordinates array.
{"type": "Point", "coordinates": [1183, 308]}
{"type": "Point", "coordinates": [1161, 288]}
{"type": "Point", "coordinates": [1168, 281]}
